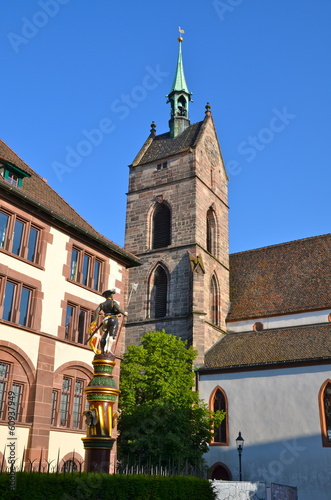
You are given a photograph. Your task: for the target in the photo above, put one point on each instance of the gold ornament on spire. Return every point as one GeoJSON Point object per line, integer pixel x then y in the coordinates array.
{"type": "Point", "coordinates": [180, 38]}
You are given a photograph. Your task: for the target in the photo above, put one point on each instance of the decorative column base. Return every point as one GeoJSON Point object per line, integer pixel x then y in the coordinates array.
{"type": "Point", "coordinates": [101, 394]}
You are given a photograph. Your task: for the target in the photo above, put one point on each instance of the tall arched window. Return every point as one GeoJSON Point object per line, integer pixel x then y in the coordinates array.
{"type": "Point", "coordinates": [325, 412]}
{"type": "Point", "coordinates": [161, 226]}
{"type": "Point", "coordinates": [218, 401]}
{"type": "Point", "coordinates": [159, 293]}
{"type": "Point", "coordinates": [211, 232]}
{"type": "Point", "coordinates": [214, 305]}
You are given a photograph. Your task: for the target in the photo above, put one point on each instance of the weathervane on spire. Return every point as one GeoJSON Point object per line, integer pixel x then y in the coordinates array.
{"type": "Point", "coordinates": [180, 38]}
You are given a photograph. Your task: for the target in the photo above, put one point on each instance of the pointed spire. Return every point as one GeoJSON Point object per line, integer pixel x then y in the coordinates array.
{"type": "Point", "coordinates": [179, 83]}
{"type": "Point", "coordinates": [179, 97]}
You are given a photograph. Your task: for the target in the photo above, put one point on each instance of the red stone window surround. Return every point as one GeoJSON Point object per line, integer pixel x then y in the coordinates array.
{"type": "Point", "coordinates": [20, 299]}
{"type": "Point", "coordinates": [23, 236]}
{"type": "Point", "coordinates": [325, 413]}
{"type": "Point", "coordinates": [219, 401]}
{"type": "Point", "coordinates": [85, 267]}
{"type": "Point", "coordinates": [214, 301]}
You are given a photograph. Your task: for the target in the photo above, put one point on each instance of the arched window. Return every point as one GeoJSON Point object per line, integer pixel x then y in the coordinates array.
{"type": "Point", "coordinates": [325, 412]}
{"type": "Point", "coordinates": [218, 401]}
{"type": "Point", "coordinates": [214, 305]}
{"type": "Point", "coordinates": [161, 226]}
{"type": "Point", "coordinates": [211, 232]}
{"type": "Point", "coordinates": [159, 293]}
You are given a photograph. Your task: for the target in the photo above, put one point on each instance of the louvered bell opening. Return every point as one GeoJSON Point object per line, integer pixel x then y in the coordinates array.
{"type": "Point", "coordinates": [210, 231]}
{"type": "Point", "coordinates": [160, 284]}
{"type": "Point", "coordinates": [161, 226]}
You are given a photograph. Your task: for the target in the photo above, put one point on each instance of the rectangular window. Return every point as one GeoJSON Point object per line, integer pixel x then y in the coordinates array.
{"type": "Point", "coordinates": [4, 375]}
{"type": "Point", "coordinates": [85, 269]}
{"type": "Point", "coordinates": [54, 407]}
{"type": "Point", "coordinates": [16, 303]}
{"type": "Point", "coordinates": [77, 404]}
{"type": "Point", "coordinates": [18, 236]}
{"type": "Point", "coordinates": [4, 220]}
{"type": "Point", "coordinates": [77, 322]}
{"type": "Point", "coordinates": [17, 389]}
{"type": "Point", "coordinates": [96, 275]}
{"type": "Point", "coordinates": [65, 401]}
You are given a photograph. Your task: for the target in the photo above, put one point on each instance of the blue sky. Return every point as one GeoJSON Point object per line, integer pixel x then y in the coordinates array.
{"type": "Point", "coordinates": [82, 81]}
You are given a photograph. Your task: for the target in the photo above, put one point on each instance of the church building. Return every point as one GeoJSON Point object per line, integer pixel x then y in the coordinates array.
{"type": "Point", "coordinates": [260, 320]}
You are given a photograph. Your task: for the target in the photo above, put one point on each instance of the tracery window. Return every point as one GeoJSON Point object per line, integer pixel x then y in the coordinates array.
{"type": "Point", "coordinates": [325, 410]}
{"type": "Point", "coordinates": [219, 402]}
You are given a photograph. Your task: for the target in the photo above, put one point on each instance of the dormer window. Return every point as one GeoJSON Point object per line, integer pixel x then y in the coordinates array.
{"type": "Point", "coordinates": [11, 174]}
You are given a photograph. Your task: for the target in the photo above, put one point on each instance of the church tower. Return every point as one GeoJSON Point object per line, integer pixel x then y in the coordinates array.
{"type": "Point", "coordinates": [177, 224]}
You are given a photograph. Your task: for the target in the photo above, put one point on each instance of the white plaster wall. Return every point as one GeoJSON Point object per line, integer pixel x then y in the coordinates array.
{"type": "Point", "coordinates": [54, 282]}
{"type": "Point", "coordinates": [22, 267]}
{"type": "Point", "coordinates": [27, 341]}
{"type": "Point", "coordinates": [277, 412]}
{"type": "Point", "coordinates": [65, 353]}
{"type": "Point", "coordinates": [65, 442]}
{"type": "Point", "coordinates": [307, 318]}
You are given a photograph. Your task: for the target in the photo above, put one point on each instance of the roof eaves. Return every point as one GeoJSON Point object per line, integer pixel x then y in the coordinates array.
{"type": "Point", "coordinates": [124, 256]}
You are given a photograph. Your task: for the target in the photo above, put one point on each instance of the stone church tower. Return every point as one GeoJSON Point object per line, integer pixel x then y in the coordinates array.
{"type": "Point", "coordinates": [177, 224]}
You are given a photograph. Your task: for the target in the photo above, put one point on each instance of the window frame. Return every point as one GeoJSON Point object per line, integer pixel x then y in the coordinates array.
{"type": "Point", "coordinates": [214, 301]}
{"type": "Point", "coordinates": [63, 404]}
{"type": "Point", "coordinates": [5, 403]}
{"type": "Point", "coordinates": [153, 292]}
{"type": "Point", "coordinates": [16, 302]}
{"type": "Point", "coordinates": [76, 275]}
{"type": "Point", "coordinates": [8, 237]}
{"type": "Point", "coordinates": [72, 330]}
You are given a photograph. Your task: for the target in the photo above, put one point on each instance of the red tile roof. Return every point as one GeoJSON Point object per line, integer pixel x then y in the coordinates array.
{"type": "Point", "coordinates": [269, 347]}
{"type": "Point", "coordinates": [288, 278]}
{"type": "Point", "coordinates": [36, 191]}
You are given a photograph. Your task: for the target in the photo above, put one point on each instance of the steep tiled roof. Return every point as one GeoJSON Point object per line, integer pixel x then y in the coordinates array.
{"type": "Point", "coordinates": [281, 345]}
{"type": "Point", "coordinates": [281, 279]}
{"type": "Point", "coordinates": [163, 146]}
{"type": "Point", "coordinates": [36, 191]}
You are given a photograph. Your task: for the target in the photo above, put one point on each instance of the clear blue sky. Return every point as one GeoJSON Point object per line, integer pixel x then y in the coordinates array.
{"type": "Point", "coordinates": [71, 66]}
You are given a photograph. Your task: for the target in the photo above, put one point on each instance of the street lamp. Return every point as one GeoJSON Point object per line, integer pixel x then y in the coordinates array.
{"type": "Point", "coordinates": [240, 445]}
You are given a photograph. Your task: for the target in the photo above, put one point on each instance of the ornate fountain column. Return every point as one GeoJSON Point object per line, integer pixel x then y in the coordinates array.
{"type": "Point", "coordinates": [100, 418]}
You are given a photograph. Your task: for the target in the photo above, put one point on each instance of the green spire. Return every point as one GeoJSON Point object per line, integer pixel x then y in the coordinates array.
{"type": "Point", "coordinates": [179, 97]}
{"type": "Point", "coordinates": [179, 83]}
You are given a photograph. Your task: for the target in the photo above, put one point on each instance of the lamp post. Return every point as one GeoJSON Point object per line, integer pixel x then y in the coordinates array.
{"type": "Point", "coordinates": [240, 445]}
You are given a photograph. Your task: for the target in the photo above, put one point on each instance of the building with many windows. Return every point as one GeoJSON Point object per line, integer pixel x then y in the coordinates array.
{"type": "Point", "coordinates": [53, 268]}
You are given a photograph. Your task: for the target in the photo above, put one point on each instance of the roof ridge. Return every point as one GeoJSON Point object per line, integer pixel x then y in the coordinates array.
{"type": "Point", "coordinates": [291, 242]}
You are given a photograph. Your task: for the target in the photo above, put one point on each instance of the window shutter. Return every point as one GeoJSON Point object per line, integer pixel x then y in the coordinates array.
{"type": "Point", "coordinates": [161, 226]}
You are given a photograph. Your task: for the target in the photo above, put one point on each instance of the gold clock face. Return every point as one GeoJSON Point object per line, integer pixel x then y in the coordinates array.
{"type": "Point", "coordinates": [211, 150]}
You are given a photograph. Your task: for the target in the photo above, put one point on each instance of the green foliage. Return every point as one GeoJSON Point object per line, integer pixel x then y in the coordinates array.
{"type": "Point", "coordinates": [34, 486]}
{"type": "Point", "coordinates": [162, 419]}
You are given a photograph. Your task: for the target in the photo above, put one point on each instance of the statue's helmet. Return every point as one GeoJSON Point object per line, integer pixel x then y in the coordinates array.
{"type": "Point", "coordinates": [108, 293]}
